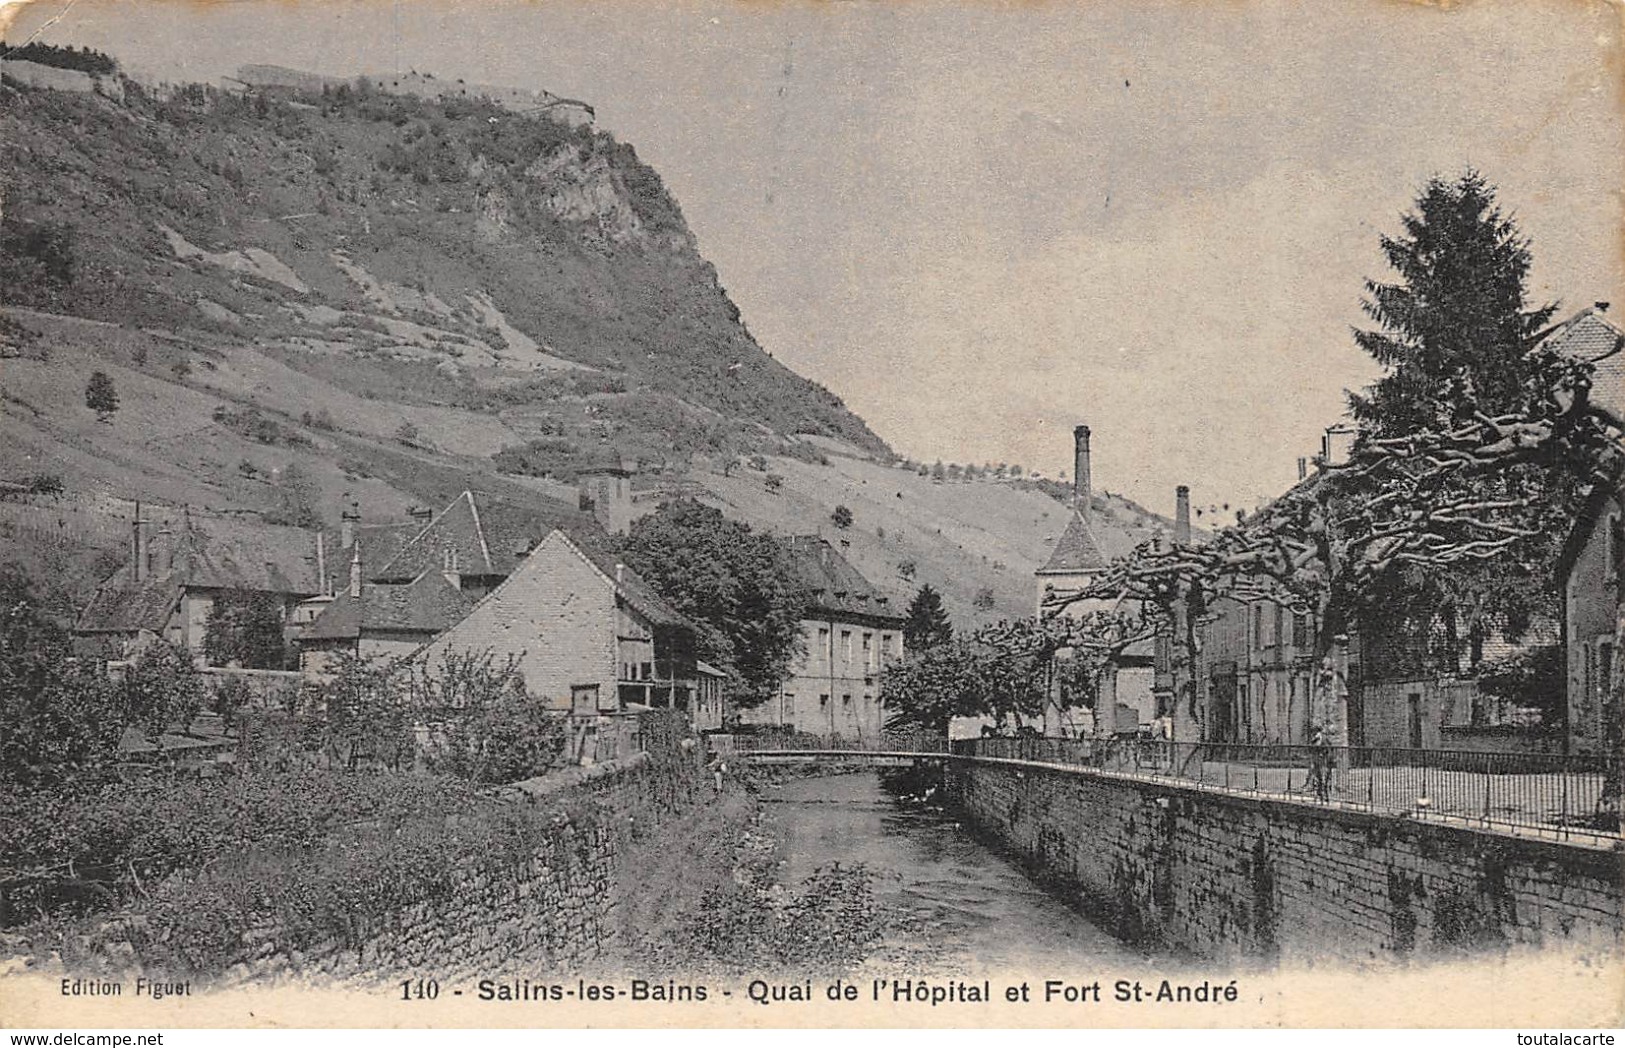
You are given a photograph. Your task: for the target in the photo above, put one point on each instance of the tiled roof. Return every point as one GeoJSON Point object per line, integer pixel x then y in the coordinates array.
{"type": "Point", "coordinates": [833, 583]}
{"type": "Point", "coordinates": [1076, 551]}
{"type": "Point", "coordinates": [237, 554]}
{"type": "Point", "coordinates": [488, 536]}
{"type": "Point", "coordinates": [122, 606]}
{"type": "Point", "coordinates": [210, 554]}
{"type": "Point", "coordinates": [428, 604]}
{"type": "Point", "coordinates": [1588, 335]}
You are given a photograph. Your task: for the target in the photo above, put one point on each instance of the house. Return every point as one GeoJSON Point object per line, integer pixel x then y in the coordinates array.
{"type": "Point", "coordinates": [387, 619]}
{"type": "Point", "coordinates": [586, 632]}
{"type": "Point", "coordinates": [1124, 696]}
{"type": "Point", "coordinates": [1588, 335]}
{"type": "Point", "coordinates": [177, 569]}
{"type": "Point", "coordinates": [849, 631]}
{"type": "Point", "coordinates": [485, 538]}
{"type": "Point", "coordinates": [1592, 570]}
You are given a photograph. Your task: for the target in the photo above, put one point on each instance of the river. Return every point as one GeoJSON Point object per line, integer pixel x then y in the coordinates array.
{"type": "Point", "coordinates": [957, 907]}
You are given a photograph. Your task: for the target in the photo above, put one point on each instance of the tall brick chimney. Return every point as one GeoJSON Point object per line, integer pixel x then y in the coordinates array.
{"type": "Point", "coordinates": [1182, 515]}
{"type": "Point", "coordinates": [1080, 469]}
{"type": "Point", "coordinates": [347, 523]}
{"type": "Point", "coordinates": [138, 545]}
{"type": "Point", "coordinates": [355, 573]}
{"type": "Point", "coordinates": [162, 551]}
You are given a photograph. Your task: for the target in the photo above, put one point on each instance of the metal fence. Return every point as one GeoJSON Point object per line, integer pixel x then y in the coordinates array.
{"type": "Point", "coordinates": [800, 742]}
{"type": "Point", "coordinates": [1554, 792]}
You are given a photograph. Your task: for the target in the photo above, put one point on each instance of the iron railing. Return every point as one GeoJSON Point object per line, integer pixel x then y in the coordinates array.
{"type": "Point", "coordinates": [799, 742]}
{"type": "Point", "coordinates": [1560, 793]}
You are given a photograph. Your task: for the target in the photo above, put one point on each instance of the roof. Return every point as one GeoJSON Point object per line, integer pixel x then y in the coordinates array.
{"type": "Point", "coordinates": [1076, 551]}
{"type": "Point", "coordinates": [833, 584]}
{"type": "Point", "coordinates": [427, 604]}
{"type": "Point", "coordinates": [629, 585]}
{"type": "Point", "coordinates": [240, 554]}
{"type": "Point", "coordinates": [211, 553]}
{"type": "Point", "coordinates": [489, 537]}
{"type": "Point", "coordinates": [122, 606]}
{"type": "Point", "coordinates": [379, 544]}
{"type": "Point", "coordinates": [1588, 335]}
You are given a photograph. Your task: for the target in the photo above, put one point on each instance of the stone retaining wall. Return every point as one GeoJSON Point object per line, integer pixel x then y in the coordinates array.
{"type": "Point", "coordinates": [1228, 875]}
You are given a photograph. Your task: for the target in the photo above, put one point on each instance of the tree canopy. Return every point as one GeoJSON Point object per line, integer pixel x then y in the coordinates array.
{"type": "Point", "coordinates": [1456, 310]}
{"type": "Point", "coordinates": [246, 628]}
{"type": "Point", "coordinates": [734, 584]}
{"type": "Point", "coordinates": [927, 624]}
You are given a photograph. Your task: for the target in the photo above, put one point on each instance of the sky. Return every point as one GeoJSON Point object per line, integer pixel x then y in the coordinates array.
{"type": "Point", "coordinates": [983, 223]}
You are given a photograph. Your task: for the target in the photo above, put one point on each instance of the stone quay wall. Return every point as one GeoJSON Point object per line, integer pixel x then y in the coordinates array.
{"type": "Point", "coordinates": [1221, 874]}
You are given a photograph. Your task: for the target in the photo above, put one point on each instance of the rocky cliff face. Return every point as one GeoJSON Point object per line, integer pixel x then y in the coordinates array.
{"type": "Point", "coordinates": [345, 221]}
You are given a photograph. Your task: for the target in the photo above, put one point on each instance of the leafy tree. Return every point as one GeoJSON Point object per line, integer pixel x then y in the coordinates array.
{"type": "Point", "coordinates": [841, 518]}
{"type": "Point", "coordinates": [927, 624]}
{"type": "Point", "coordinates": [735, 585]}
{"type": "Point", "coordinates": [245, 628]}
{"type": "Point", "coordinates": [367, 718]}
{"type": "Point", "coordinates": [59, 715]}
{"type": "Point", "coordinates": [298, 496]}
{"type": "Point", "coordinates": [486, 727]}
{"type": "Point", "coordinates": [100, 396]}
{"type": "Point", "coordinates": [162, 689]}
{"type": "Point", "coordinates": [964, 678]}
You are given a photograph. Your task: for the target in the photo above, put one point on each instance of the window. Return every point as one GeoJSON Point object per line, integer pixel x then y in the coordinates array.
{"type": "Point", "coordinates": [1258, 625]}
{"type": "Point", "coordinates": [823, 700]}
{"type": "Point", "coordinates": [846, 700]}
{"type": "Point", "coordinates": [869, 650]}
{"type": "Point", "coordinates": [1300, 631]}
{"type": "Point", "coordinates": [1280, 625]}
{"type": "Point", "coordinates": [1605, 669]}
{"type": "Point", "coordinates": [846, 645]}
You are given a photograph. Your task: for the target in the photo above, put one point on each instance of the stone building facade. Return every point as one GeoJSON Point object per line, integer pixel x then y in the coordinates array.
{"type": "Point", "coordinates": [849, 633]}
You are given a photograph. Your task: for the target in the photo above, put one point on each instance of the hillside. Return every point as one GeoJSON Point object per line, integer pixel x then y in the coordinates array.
{"type": "Point", "coordinates": [305, 297]}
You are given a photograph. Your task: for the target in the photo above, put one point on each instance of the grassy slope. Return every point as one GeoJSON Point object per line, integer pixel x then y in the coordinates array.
{"type": "Point", "coordinates": [230, 177]}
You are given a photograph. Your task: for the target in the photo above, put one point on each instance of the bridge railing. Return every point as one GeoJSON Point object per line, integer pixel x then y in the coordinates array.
{"type": "Point", "coordinates": [1556, 792]}
{"type": "Point", "coordinates": [788, 742]}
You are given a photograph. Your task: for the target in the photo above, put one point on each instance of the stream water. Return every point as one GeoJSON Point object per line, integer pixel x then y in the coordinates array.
{"type": "Point", "coordinates": [959, 908]}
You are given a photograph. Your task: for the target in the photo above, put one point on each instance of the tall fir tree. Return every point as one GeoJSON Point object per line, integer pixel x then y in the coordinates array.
{"type": "Point", "coordinates": [927, 624]}
{"type": "Point", "coordinates": [1454, 327]}
{"type": "Point", "coordinates": [1457, 309]}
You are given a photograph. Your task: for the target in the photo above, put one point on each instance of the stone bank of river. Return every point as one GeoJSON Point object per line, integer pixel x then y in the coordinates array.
{"type": "Point", "coordinates": [956, 907]}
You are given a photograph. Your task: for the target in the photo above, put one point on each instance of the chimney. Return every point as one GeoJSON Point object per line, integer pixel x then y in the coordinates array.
{"type": "Point", "coordinates": [321, 561]}
{"type": "Point", "coordinates": [1303, 467]}
{"type": "Point", "coordinates": [162, 551]}
{"type": "Point", "coordinates": [347, 523]}
{"type": "Point", "coordinates": [1080, 469]}
{"type": "Point", "coordinates": [139, 546]}
{"type": "Point", "coordinates": [355, 573]}
{"type": "Point", "coordinates": [1182, 515]}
